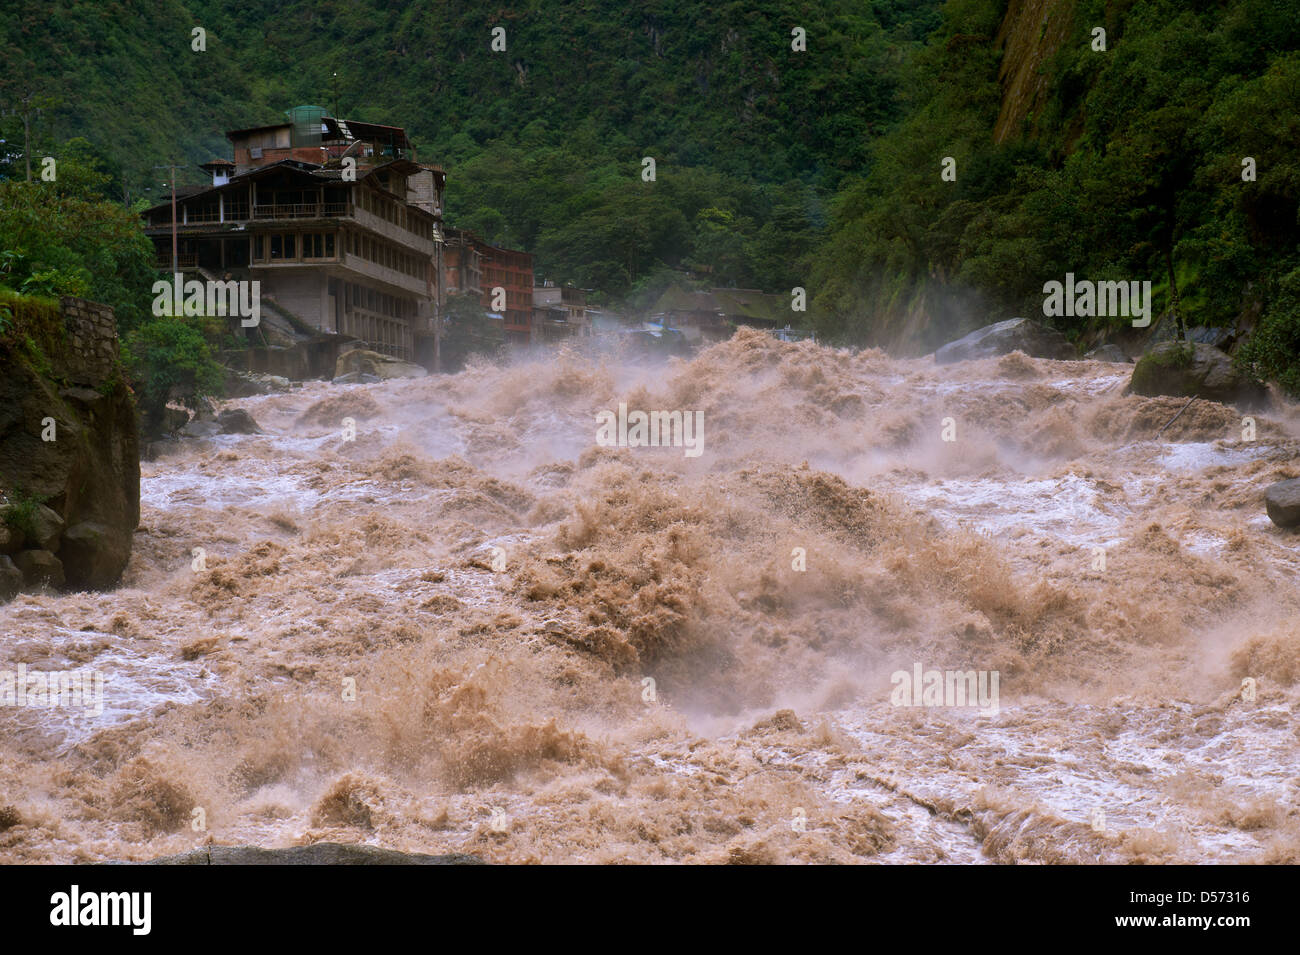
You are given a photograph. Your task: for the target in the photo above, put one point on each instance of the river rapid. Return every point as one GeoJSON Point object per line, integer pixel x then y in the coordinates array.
{"type": "Point", "coordinates": [468, 627]}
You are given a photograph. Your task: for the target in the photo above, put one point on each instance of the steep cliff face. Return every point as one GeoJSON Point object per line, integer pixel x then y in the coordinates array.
{"type": "Point", "coordinates": [69, 448]}
{"type": "Point", "coordinates": [1031, 33]}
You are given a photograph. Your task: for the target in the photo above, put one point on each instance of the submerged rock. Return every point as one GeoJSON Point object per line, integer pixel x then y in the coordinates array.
{"type": "Point", "coordinates": [1108, 353]}
{"type": "Point", "coordinates": [1181, 370]}
{"type": "Point", "coordinates": [40, 568]}
{"type": "Point", "coordinates": [364, 362]}
{"type": "Point", "coordinates": [1015, 334]}
{"type": "Point", "coordinates": [321, 853]}
{"type": "Point", "coordinates": [237, 421]}
{"type": "Point", "coordinates": [1282, 501]}
{"type": "Point", "coordinates": [201, 428]}
{"type": "Point", "coordinates": [356, 378]}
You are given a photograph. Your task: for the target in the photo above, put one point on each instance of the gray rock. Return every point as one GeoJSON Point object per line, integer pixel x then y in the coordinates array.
{"type": "Point", "coordinates": [1108, 353]}
{"type": "Point", "coordinates": [201, 428]}
{"type": "Point", "coordinates": [1282, 501]}
{"type": "Point", "coordinates": [1166, 330]}
{"type": "Point", "coordinates": [11, 539]}
{"type": "Point", "coordinates": [11, 578]}
{"type": "Point", "coordinates": [93, 556]}
{"type": "Point", "coordinates": [356, 378]}
{"type": "Point", "coordinates": [173, 419]}
{"type": "Point", "coordinates": [47, 526]}
{"type": "Point", "coordinates": [242, 385]}
{"type": "Point", "coordinates": [1181, 370]}
{"type": "Point", "coordinates": [237, 421]}
{"type": "Point", "coordinates": [87, 397]}
{"type": "Point", "coordinates": [321, 853]}
{"type": "Point", "coordinates": [92, 469]}
{"type": "Point", "coordinates": [1015, 334]}
{"type": "Point", "coordinates": [365, 362]}
{"type": "Point", "coordinates": [1221, 338]}
{"type": "Point", "coordinates": [40, 568]}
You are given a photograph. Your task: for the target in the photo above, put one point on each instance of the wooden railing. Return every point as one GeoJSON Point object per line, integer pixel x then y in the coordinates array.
{"type": "Point", "coordinates": [300, 210]}
{"type": "Point", "coordinates": [234, 212]}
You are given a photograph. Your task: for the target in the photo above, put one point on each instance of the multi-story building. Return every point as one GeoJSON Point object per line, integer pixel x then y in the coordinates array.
{"type": "Point", "coordinates": [462, 263]}
{"type": "Point", "coordinates": [512, 271]}
{"type": "Point", "coordinates": [560, 311]}
{"type": "Point", "coordinates": [335, 218]}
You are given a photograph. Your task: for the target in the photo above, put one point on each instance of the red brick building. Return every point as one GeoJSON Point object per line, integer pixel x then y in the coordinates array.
{"type": "Point", "coordinates": [512, 271]}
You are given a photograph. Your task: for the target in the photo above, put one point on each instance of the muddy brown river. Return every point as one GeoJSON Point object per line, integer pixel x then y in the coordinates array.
{"type": "Point", "coordinates": [439, 615]}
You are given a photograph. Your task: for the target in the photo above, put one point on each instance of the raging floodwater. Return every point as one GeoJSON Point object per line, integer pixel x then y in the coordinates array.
{"type": "Point", "coordinates": [563, 652]}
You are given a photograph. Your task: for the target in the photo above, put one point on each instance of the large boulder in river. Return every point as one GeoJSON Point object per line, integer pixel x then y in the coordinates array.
{"type": "Point", "coordinates": [1015, 334]}
{"type": "Point", "coordinates": [1282, 501]}
{"type": "Point", "coordinates": [1183, 369]}
{"type": "Point", "coordinates": [364, 362]}
{"type": "Point", "coordinates": [237, 421]}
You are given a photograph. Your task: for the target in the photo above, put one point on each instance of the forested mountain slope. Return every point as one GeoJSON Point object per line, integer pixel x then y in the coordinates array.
{"type": "Point", "coordinates": [775, 167]}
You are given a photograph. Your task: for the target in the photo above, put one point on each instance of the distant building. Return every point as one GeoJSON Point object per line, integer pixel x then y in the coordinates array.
{"type": "Point", "coordinates": [357, 257]}
{"type": "Point", "coordinates": [512, 271]}
{"type": "Point", "coordinates": [603, 322]}
{"type": "Point", "coordinates": [560, 312]}
{"type": "Point", "coordinates": [462, 263]}
{"type": "Point", "coordinates": [714, 314]}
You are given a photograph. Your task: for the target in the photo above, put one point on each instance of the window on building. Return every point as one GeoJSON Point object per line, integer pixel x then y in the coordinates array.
{"type": "Point", "coordinates": [290, 246]}
{"type": "Point", "coordinates": [277, 247]}
{"type": "Point", "coordinates": [329, 245]}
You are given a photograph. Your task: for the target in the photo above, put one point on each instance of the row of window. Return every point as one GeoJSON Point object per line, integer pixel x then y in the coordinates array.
{"type": "Point", "coordinates": [514, 300]}
{"type": "Point", "coordinates": [284, 246]}
{"type": "Point", "coordinates": [390, 211]}
{"type": "Point", "coordinates": [386, 254]}
{"type": "Point", "coordinates": [372, 300]}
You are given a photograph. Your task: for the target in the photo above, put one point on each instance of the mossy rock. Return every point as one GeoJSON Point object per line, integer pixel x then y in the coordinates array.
{"type": "Point", "coordinates": [1181, 369]}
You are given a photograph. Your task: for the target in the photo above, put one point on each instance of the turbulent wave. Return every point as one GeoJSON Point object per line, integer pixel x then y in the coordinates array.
{"type": "Point", "coordinates": [472, 628]}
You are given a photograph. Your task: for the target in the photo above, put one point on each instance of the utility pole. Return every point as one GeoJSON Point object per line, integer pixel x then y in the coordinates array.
{"type": "Point", "coordinates": [172, 166]}
{"type": "Point", "coordinates": [30, 103]}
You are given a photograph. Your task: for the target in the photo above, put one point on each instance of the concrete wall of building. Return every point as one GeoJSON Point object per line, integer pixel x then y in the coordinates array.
{"type": "Point", "coordinates": [303, 292]}
{"type": "Point", "coordinates": [383, 274]}
{"type": "Point", "coordinates": [422, 190]}
{"type": "Point", "coordinates": [413, 241]}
